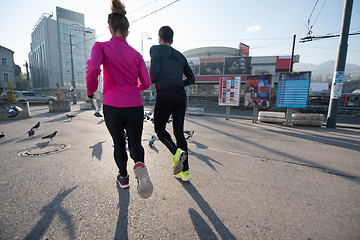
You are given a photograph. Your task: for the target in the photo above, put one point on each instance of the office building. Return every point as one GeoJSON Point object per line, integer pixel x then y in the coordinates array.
{"type": "Point", "coordinates": [51, 60]}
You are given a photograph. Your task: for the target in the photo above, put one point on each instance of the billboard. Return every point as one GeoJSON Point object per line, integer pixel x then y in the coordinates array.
{"type": "Point", "coordinates": [211, 66]}
{"type": "Point", "coordinates": [237, 65]}
{"type": "Point", "coordinates": [258, 90]}
{"type": "Point", "coordinates": [293, 89]}
{"type": "Point", "coordinates": [194, 64]}
{"type": "Point", "coordinates": [244, 49]}
{"type": "Point", "coordinates": [229, 91]}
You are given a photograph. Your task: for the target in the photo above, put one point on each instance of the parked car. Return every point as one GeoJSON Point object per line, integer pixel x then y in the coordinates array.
{"type": "Point", "coordinates": [31, 97]}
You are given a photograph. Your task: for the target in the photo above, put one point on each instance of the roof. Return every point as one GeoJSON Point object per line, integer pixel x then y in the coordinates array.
{"type": "Point", "coordinates": [211, 51]}
{"type": "Point", "coordinates": [6, 49]}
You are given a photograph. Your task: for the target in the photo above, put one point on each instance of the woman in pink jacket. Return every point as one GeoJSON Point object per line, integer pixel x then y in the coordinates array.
{"type": "Point", "coordinates": [122, 103]}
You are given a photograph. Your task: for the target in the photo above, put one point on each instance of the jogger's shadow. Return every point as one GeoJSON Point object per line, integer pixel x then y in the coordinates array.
{"type": "Point", "coordinates": [122, 223]}
{"type": "Point", "coordinates": [205, 159]}
{"type": "Point", "coordinates": [49, 212]}
{"type": "Point", "coordinates": [219, 226]}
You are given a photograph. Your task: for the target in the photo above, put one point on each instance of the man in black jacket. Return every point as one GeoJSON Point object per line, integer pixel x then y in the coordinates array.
{"type": "Point", "coordinates": [166, 70]}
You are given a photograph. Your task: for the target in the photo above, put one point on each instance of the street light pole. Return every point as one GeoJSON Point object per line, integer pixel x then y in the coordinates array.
{"type": "Point", "coordinates": [73, 83]}
{"type": "Point", "coordinates": [142, 42]}
{"type": "Point", "coordinates": [72, 70]}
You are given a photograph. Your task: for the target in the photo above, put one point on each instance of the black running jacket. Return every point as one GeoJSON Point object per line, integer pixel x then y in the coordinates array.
{"type": "Point", "coordinates": [167, 68]}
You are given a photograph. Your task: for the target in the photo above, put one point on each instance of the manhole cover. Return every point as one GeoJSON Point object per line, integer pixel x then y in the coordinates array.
{"type": "Point", "coordinates": [42, 149]}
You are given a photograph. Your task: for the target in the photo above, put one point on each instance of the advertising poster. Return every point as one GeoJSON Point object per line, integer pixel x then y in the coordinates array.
{"type": "Point", "coordinates": [211, 66]}
{"type": "Point", "coordinates": [293, 89]}
{"type": "Point", "coordinates": [229, 91]}
{"type": "Point", "coordinates": [237, 65]}
{"type": "Point", "coordinates": [337, 85]}
{"type": "Point", "coordinates": [194, 64]}
{"type": "Point", "coordinates": [258, 90]}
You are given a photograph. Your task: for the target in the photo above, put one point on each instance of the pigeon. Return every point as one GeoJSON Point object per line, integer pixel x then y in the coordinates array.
{"type": "Point", "coordinates": [2, 135]}
{"type": "Point", "coordinates": [147, 115]}
{"type": "Point", "coordinates": [36, 127]}
{"type": "Point", "coordinates": [13, 111]}
{"type": "Point", "coordinates": [189, 133]}
{"type": "Point", "coordinates": [51, 136]}
{"type": "Point", "coordinates": [151, 141]}
{"type": "Point", "coordinates": [31, 132]}
{"type": "Point", "coordinates": [71, 116]}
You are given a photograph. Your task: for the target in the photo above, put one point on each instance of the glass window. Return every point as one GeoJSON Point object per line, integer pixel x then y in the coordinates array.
{"type": "Point", "coordinates": [3, 62]}
{"type": "Point", "coordinates": [6, 77]}
{"type": "Point", "coordinates": [27, 94]}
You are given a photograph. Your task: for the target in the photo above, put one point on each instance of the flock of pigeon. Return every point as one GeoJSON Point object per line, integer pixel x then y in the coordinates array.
{"type": "Point", "coordinates": [15, 110]}
{"type": "Point", "coordinates": [153, 138]}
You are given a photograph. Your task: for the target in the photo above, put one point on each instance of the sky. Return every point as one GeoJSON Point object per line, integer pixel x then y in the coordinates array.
{"type": "Point", "coordinates": [266, 26]}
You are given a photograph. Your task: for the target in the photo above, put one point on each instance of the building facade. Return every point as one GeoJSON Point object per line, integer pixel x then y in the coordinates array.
{"type": "Point", "coordinates": [7, 67]}
{"type": "Point", "coordinates": [59, 50]}
{"type": "Point", "coordinates": [209, 64]}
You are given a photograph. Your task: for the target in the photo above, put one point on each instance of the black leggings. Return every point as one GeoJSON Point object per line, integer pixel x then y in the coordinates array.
{"type": "Point", "coordinates": [169, 102]}
{"type": "Point", "coordinates": [130, 119]}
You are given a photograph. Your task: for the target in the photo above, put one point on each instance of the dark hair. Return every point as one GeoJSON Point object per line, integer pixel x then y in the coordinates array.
{"type": "Point", "coordinates": [167, 34]}
{"type": "Point", "coordinates": [116, 19]}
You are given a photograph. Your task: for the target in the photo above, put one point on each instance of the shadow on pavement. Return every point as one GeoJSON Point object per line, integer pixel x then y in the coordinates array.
{"type": "Point", "coordinates": [122, 223]}
{"type": "Point", "coordinates": [219, 226]}
{"type": "Point", "coordinates": [207, 160]}
{"type": "Point", "coordinates": [295, 159]}
{"type": "Point", "coordinates": [49, 211]}
{"type": "Point", "coordinates": [202, 228]}
{"type": "Point", "coordinates": [333, 141]}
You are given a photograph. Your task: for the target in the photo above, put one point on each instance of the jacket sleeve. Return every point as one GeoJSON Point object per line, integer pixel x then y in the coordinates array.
{"type": "Point", "coordinates": [93, 68]}
{"type": "Point", "coordinates": [154, 63]}
{"type": "Point", "coordinates": [190, 78]}
{"type": "Point", "coordinates": [144, 77]}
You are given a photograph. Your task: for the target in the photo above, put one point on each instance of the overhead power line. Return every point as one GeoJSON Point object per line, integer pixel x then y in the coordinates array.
{"type": "Point", "coordinates": [309, 25]}
{"type": "Point", "coordinates": [155, 11]}
{"type": "Point", "coordinates": [311, 38]}
{"type": "Point", "coordinates": [143, 6]}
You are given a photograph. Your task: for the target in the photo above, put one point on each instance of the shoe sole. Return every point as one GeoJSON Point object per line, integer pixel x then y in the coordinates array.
{"type": "Point", "coordinates": [179, 165]}
{"type": "Point", "coordinates": [145, 186]}
{"type": "Point", "coordinates": [183, 179]}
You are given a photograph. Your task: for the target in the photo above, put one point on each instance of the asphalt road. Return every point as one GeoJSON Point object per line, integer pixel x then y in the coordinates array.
{"type": "Point", "coordinates": [249, 181]}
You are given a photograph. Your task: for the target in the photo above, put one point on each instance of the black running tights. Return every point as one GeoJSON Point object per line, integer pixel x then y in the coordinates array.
{"type": "Point", "coordinates": [171, 102]}
{"type": "Point", "coordinates": [131, 120]}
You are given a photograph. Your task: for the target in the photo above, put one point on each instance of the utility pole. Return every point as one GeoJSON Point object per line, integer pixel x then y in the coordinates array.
{"type": "Point", "coordinates": [289, 110]}
{"type": "Point", "coordinates": [337, 82]}
{"type": "Point", "coordinates": [292, 54]}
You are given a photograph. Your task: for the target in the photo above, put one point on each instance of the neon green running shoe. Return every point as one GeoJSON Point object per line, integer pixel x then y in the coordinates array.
{"type": "Point", "coordinates": [178, 160]}
{"type": "Point", "coordinates": [185, 176]}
